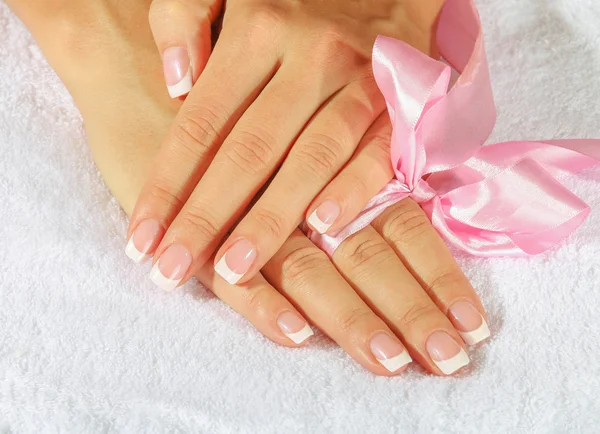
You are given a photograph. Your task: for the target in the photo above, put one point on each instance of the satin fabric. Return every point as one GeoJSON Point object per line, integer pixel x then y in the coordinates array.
{"type": "Point", "coordinates": [504, 199]}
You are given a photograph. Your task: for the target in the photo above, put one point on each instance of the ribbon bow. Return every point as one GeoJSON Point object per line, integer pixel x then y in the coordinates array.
{"type": "Point", "coordinates": [497, 200]}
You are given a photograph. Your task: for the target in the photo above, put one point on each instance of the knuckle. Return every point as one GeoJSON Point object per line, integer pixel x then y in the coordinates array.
{"type": "Point", "coordinates": [163, 10]}
{"type": "Point", "coordinates": [199, 224]}
{"type": "Point", "coordinates": [357, 182]}
{"type": "Point", "coordinates": [443, 281]}
{"type": "Point", "coordinates": [265, 18]}
{"type": "Point", "coordinates": [271, 222]}
{"type": "Point", "coordinates": [333, 48]}
{"type": "Point", "coordinates": [250, 153]}
{"type": "Point", "coordinates": [416, 314]}
{"type": "Point", "coordinates": [302, 262]}
{"type": "Point", "coordinates": [331, 37]}
{"type": "Point", "coordinates": [256, 300]}
{"type": "Point", "coordinates": [320, 154]}
{"type": "Point", "coordinates": [161, 193]}
{"type": "Point", "coordinates": [260, 26]}
{"type": "Point", "coordinates": [380, 144]}
{"type": "Point", "coordinates": [407, 223]}
{"type": "Point", "coordinates": [196, 130]}
{"type": "Point", "coordinates": [364, 252]}
{"type": "Point", "coordinates": [354, 319]}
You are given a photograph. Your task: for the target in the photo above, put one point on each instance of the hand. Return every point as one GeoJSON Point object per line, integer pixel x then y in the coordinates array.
{"type": "Point", "coordinates": [391, 287]}
{"type": "Point", "coordinates": [288, 89]}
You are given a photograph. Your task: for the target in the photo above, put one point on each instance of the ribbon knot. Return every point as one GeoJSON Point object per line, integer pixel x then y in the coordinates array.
{"type": "Point", "coordinates": [501, 199]}
{"type": "Point", "coordinates": [422, 192]}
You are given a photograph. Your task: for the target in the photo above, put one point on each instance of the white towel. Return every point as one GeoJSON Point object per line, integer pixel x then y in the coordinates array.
{"type": "Point", "coordinates": [87, 344]}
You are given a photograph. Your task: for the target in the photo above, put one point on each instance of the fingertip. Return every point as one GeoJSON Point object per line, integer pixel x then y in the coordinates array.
{"type": "Point", "coordinates": [324, 216]}
{"type": "Point", "coordinates": [446, 353]}
{"type": "Point", "coordinates": [302, 337]}
{"type": "Point", "coordinates": [177, 71]}
{"type": "Point", "coordinates": [390, 353]}
{"type": "Point", "coordinates": [235, 264]}
{"type": "Point", "coordinates": [226, 273]}
{"type": "Point", "coordinates": [143, 240]}
{"type": "Point", "coordinates": [469, 322]}
{"type": "Point", "coordinates": [182, 88]}
{"type": "Point", "coordinates": [182, 33]}
{"type": "Point", "coordinates": [294, 327]}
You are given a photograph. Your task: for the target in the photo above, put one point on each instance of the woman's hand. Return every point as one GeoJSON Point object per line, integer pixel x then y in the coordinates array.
{"type": "Point", "coordinates": [287, 97]}
{"type": "Point", "coordinates": [391, 287]}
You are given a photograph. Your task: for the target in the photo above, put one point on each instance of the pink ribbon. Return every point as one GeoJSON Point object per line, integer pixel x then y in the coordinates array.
{"type": "Point", "coordinates": [496, 200]}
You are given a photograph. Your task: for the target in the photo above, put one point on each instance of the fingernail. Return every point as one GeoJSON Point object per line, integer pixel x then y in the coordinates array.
{"type": "Point", "coordinates": [294, 327]}
{"type": "Point", "coordinates": [144, 241]}
{"type": "Point", "coordinates": [236, 262]}
{"type": "Point", "coordinates": [468, 322]}
{"type": "Point", "coordinates": [389, 352]}
{"type": "Point", "coordinates": [172, 265]}
{"type": "Point", "coordinates": [324, 216]}
{"type": "Point", "coordinates": [446, 353]}
{"type": "Point", "coordinates": [178, 71]}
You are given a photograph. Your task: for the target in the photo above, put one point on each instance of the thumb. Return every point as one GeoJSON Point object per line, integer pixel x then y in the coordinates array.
{"type": "Point", "coordinates": [182, 32]}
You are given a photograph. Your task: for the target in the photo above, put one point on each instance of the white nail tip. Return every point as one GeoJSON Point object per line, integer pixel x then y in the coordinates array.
{"type": "Point", "coordinates": [183, 87]}
{"type": "Point", "coordinates": [134, 254]}
{"type": "Point", "coordinates": [161, 281]}
{"type": "Point", "coordinates": [397, 362]}
{"type": "Point", "coordinates": [223, 270]}
{"type": "Point", "coordinates": [454, 364]}
{"type": "Point", "coordinates": [476, 336]}
{"type": "Point", "coordinates": [302, 335]}
{"type": "Point", "coordinates": [317, 224]}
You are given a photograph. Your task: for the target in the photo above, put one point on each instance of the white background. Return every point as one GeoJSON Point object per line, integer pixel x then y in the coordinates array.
{"type": "Point", "coordinates": [87, 344]}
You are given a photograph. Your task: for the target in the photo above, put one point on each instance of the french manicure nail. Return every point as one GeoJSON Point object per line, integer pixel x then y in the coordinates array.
{"type": "Point", "coordinates": [171, 267]}
{"type": "Point", "coordinates": [468, 322]}
{"type": "Point", "coordinates": [446, 353]}
{"type": "Point", "coordinates": [390, 353]}
{"type": "Point", "coordinates": [236, 261]}
{"type": "Point", "coordinates": [144, 241]}
{"type": "Point", "coordinates": [324, 216]}
{"type": "Point", "coordinates": [178, 71]}
{"type": "Point", "coordinates": [294, 327]}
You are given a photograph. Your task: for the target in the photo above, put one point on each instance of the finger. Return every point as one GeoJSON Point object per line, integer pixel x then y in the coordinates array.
{"type": "Point", "coordinates": [182, 32]}
{"type": "Point", "coordinates": [263, 306]}
{"type": "Point", "coordinates": [406, 228]}
{"type": "Point", "coordinates": [377, 274]}
{"type": "Point", "coordinates": [243, 164]}
{"type": "Point", "coordinates": [323, 148]}
{"type": "Point", "coordinates": [306, 276]}
{"type": "Point", "coordinates": [364, 176]}
{"type": "Point", "coordinates": [206, 117]}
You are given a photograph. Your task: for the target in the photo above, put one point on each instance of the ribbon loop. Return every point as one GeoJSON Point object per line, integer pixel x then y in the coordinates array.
{"type": "Point", "coordinates": [503, 199]}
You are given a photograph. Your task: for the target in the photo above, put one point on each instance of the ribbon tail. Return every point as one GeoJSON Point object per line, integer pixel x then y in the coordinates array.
{"type": "Point", "coordinates": [510, 210]}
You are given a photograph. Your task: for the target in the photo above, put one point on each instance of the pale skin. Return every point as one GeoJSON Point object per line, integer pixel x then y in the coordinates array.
{"type": "Point", "coordinates": [389, 290]}
{"type": "Point", "coordinates": [287, 95]}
